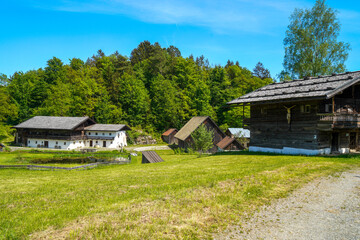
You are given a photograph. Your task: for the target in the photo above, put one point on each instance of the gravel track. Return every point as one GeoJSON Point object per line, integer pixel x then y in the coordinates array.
{"type": "Point", "coordinates": [327, 208]}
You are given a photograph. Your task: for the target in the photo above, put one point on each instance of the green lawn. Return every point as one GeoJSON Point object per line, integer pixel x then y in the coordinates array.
{"type": "Point", "coordinates": [184, 197]}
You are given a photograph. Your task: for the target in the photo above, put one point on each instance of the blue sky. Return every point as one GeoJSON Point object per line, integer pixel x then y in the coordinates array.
{"type": "Point", "coordinates": [247, 31]}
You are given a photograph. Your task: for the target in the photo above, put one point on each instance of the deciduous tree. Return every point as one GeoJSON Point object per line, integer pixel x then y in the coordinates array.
{"type": "Point", "coordinates": [311, 43]}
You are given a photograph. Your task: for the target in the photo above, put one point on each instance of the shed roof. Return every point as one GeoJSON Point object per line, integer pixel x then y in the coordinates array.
{"type": "Point", "coordinates": [191, 126]}
{"type": "Point", "coordinates": [226, 141]}
{"type": "Point", "coordinates": [56, 123]}
{"type": "Point", "coordinates": [107, 127]}
{"type": "Point", "coordinates": [321, 87]}
{"type": "Point", "coordinates": [151, 157]}
{"type": "Point", "coordinates": [169, 131]}
{"type": "Point", "coordinates": [240, 132]}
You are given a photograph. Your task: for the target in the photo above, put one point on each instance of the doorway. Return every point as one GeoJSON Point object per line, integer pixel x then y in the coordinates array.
{"type": "Point", "coordinates": [46, 144]}
{"type": "Point", "coordinates": [335, 142]}
{"type": "Point", "coordinates": [91, 143]}
{"type": "Point", "coordinates": [104, 143]}
{"type": "Point", "coordinates": [352, 140]}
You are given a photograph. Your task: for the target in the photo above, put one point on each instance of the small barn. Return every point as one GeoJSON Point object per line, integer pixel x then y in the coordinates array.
{"type": "Point", "coordinates": [169, 136]}
{"type": "Point", "coordinates": [242, 133]}
{"type": "Point", "coordinates": [230, 144]}
{"type": "Point", "coordinates": [151, 157]}
{"type": "Point", "coordinates": [184, 135]}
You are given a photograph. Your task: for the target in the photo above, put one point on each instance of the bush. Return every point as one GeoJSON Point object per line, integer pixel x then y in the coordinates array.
{"type": "Point", "coordinates": [203, 139]}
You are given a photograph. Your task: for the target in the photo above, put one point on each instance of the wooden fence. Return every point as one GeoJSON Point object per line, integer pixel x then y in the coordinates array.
{"type": "Point", "coordinates": [82, 167]}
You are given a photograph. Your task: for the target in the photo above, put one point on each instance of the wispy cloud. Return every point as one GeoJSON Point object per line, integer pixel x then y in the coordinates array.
{"type": "Point", "coordinates": [221, 16]}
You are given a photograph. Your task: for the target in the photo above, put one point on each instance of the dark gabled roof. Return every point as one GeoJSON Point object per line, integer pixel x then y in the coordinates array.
{"type": "Point", "coordinates": [107, 127]}
{"type": "Point", "coordinates": [151, 157]}
{"type": "Point", "coordinates": [169, 131]}
{"type": "Point", "coordinates": [322, 87]}
{"type": "Point", "coordinates": [225, 142]}
{"type": "Point", "coordinates": [56, 123]}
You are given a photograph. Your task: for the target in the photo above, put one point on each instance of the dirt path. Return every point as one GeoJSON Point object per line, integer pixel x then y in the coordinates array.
{"type": "Point", "coordinates": [328, 208]}
{"type": "Point", "coordinates": [150, 148]}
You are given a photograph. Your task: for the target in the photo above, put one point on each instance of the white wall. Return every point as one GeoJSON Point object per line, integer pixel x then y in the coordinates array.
{"type": "Point", "coordinates": [293, 151]}
{"type": "Point", "coordinates": [118, 141]}
{"type": "Point", "coordinates": [64, 144]}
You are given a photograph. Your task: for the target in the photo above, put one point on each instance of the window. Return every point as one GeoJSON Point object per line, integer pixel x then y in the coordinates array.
{"type": "Point", "coordinates": [89, 133]}
{"type": "Point", "coordinates": [305, 108]}
{"type": "Point", "coordinates": [109, 134]}
{"type": "Point", "coordinates": [103, 134]}
{"type": "Point", "coordinates": [64, 143]}
{"type": "Point", "coordinates": [56, 143]}
{"type": "Point", "coordinates": [328, 108]}
{"type": "Point", "coordinates": [96, 134]}
{"type": "Point", "coordinates": [96, 141]}
{"type": "Point", "coordinates": [29, 141]}
{"type": "Point", "coordinates": [263, 110]}
{"type": "Point", "coordinates": [110, 142]}
{"type": "Point", "coordinates": [35, 142]}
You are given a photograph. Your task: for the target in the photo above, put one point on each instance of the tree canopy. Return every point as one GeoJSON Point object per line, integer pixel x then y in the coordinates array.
{"type": "Point", "coordinates": [155, 89]}
{"type": "Point", "coordinates": [311, 43]}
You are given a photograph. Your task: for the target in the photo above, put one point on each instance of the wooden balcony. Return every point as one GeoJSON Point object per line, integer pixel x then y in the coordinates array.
{"type": "Point", "coordinates": [330, 121]}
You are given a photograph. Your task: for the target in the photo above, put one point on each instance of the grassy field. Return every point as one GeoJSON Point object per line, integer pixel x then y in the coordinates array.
{"type": "Point", "coordinates": [184, 197]}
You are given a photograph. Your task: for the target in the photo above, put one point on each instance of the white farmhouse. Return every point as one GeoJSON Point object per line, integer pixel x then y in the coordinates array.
{"type": "Point", "coordinates": [106, 135]}
{"type": "Point", "coordinates": [69, 133]}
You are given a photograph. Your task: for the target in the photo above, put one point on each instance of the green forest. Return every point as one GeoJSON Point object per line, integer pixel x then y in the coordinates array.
{"type": "Point", "coordinates": [154, 89]}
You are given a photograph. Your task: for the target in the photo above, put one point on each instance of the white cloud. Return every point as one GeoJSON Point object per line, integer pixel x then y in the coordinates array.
{"type": "Point", "coordinates": [221, 16]}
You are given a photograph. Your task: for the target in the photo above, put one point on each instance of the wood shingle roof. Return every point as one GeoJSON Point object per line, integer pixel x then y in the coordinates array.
{"type": "Point", "coordinates": [49, 122]}
{"type": "Point", "coordinates": [321, 87]}
{"type": "Point", "coordinates": [107, 127]}
{"type": "Point", "coordinates": [151, 157]}
{"type": "Point", "coordinates": [189, 127]}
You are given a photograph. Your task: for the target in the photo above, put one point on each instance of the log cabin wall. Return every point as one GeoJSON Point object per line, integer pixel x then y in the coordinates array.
{"type": "Point", "coordinates": [270, 129]}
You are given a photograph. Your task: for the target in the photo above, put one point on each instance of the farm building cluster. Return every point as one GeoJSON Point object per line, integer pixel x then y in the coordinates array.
{"type": "Point", "coordinates": [314, 115]}
{"type": "Point", "coordinates": [69, 133]}
{"type": "Point", "coordinates": [221, 141]}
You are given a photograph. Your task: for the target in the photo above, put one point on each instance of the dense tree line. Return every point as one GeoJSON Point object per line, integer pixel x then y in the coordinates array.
{"type": "Point", "coordinates": [155, 89]}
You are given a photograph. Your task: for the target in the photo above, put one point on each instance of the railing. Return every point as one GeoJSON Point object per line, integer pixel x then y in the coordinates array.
{"type": "Point", "coordinates": [339, 117]}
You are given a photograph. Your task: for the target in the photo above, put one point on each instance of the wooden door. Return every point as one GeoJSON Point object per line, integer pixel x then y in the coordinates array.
{"type": "Point", "coordinates": [335, 142]}
{"type": "Point", "coordinates": [352, 140]}
{"type": "Point", "coordinates": [104, 143]}
{"type": "Point", "coordinates": [46, 144]}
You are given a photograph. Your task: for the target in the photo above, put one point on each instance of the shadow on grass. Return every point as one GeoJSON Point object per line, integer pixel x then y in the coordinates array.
{"type": "Point", "coordinates": [246, 152]}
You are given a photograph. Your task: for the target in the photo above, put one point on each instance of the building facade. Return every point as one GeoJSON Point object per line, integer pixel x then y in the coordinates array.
{"type": "Point", "coordinates": [69, 133]}
{"type": "Point", "coordinates": [310, 116]}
